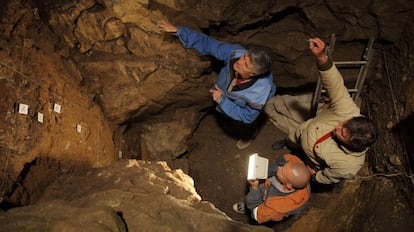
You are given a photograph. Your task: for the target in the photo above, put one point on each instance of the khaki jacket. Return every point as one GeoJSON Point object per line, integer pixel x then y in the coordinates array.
{"type": "Point", "coordinates": [335, 162]}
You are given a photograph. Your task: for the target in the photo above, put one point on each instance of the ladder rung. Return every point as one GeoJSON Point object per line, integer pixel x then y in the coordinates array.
{"type": "Point", "coordinates": [350, 62]}
{"type": "Point", "coordinates": [349, 90]}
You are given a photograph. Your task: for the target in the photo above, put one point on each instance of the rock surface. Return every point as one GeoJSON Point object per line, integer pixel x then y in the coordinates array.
{"type": "Point", "coordinates": [130, 195]}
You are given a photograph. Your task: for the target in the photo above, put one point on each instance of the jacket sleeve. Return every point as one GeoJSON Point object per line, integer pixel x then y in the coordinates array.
{"type": "Point", "coordinates": [340, 100]}
{"type": "Point", "coordinates": [254, 198]}
{"type": "Point", "coordinates": [265, 214]}
{"type": "Point", "coordinates": [334, 174]}
{"type": "Point", "coordinates": [204, 44]}
{"type": "Point", "coordinates": [325, 177]}
{"type": "Point", "coordinates": [247, 106]}
{"type": "Point", "coordinates": [241, 112]}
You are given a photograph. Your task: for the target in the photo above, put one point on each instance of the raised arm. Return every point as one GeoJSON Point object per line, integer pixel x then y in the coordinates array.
{"type": "Point", "coordinates": [204, 44]}
{"type": "Point", "coordinates": [340, 100]}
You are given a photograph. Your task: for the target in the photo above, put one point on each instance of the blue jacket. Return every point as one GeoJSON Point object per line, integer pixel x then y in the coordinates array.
{"type": "Point", "coordinates": [243, 105]}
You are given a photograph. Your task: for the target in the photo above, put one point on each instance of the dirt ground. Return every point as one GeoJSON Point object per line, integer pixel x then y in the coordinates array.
{"type": "Point", "coordinates": [219, 169]}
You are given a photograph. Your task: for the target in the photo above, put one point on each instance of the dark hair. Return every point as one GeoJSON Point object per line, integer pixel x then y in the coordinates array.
{"type": "Point", "coordinates": [260, 60]}
{"type": "Point", "coordinates": [363, 133]}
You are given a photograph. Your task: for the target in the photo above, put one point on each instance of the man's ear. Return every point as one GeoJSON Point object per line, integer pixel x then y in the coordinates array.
{"type": "Point", "coordinates": [289, 186]}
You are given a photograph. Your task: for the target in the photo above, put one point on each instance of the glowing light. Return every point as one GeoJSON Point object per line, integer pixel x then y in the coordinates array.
{"type": "Point", "coordinates": [257, 168]}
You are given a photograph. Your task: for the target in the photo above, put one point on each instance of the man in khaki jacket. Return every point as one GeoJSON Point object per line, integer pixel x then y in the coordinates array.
{"type": "Point", "coordinates": [336, 140]}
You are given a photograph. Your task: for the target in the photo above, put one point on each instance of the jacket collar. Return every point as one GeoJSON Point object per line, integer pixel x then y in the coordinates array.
{"type": "Point", "coordinates": [352, 153]}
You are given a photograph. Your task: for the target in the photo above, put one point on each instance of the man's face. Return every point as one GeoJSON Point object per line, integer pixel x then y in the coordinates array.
{"type": "Point", "coordinates": [342, 133]}
{"type": "Point", "coordinates": [244, 66]}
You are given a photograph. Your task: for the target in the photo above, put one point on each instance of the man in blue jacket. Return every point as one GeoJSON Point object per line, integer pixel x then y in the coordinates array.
{"type": "Point", "coordinates": [243, 86]}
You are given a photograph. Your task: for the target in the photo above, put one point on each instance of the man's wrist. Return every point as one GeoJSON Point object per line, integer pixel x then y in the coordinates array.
{"type": "Point", "coordinates": [177, 32]}
{"type": "Point", "coordinates": [322, 59]}
{"type": "Point", "coordinates": [326, 65]}
{"type": "Point", "coordinates": [219, 99]}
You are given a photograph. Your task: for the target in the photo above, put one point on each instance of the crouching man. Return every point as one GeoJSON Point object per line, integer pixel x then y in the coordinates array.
{"type": "Point", "coordinates": [285, 192]}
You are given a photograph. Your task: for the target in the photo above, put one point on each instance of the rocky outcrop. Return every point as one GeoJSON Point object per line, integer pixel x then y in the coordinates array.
{"type": "Point", "coordinates": [127, 196]}
{"type": "Point", "coordinates": [132, 68]}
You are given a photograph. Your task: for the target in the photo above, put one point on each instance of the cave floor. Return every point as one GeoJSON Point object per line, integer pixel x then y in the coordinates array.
{"type": "Point", "coordinates": [219, 169]}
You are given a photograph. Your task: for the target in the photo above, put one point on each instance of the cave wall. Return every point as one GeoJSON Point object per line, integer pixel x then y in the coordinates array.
{"type": "Point", "coordinates": [34, 74]}
{"type": "Point", "coordinates": [134, 71]}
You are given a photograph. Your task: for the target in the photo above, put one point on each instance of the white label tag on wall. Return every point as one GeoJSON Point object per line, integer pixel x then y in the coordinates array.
{"type": "Point", "coordinates": [23, 108]}
{"type": "Point", "coordinates": [57, 108]}
{"type": "Point", "coordinates": [39, 117]}
{"type": "Point", "coordinates": [79, 128]}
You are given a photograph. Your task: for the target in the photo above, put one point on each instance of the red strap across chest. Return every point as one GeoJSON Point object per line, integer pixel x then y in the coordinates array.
{"type": "Point", "coordinates": [321, 139]}
{"type": "Point", "coordinates": [239, 79]}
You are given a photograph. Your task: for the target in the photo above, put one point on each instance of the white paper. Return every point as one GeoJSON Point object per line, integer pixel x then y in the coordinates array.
{"type": "Point", "coordinates": [23, 108]}
{"type": "Point", "coordinates": [79, 128]}
{"type": "Point", "coordinates": [39, 117]}
{"type": "Point", "coordinates": [258, 167]}
{"type": "Point", "coordinates": [57, 108]}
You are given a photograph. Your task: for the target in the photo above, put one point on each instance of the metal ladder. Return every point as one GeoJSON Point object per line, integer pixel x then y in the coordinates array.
{"type": "Point", "coordinates": [362, 64]}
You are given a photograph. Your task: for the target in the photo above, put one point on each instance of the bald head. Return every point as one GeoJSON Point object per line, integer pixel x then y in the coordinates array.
{"type": "Point", "coordinates": [297, 174]}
